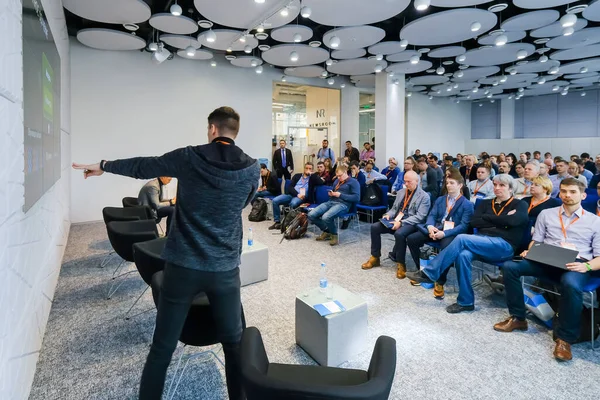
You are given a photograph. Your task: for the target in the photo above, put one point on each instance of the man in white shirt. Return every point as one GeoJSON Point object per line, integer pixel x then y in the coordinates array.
{"type": "Point", "coordinates": [562, 169]}
{"type": "Point", "coordinates": [371, 175]}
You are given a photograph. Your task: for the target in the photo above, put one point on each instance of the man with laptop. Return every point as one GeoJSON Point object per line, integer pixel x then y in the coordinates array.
{"type": "Point", "coordinates": [565, 249]}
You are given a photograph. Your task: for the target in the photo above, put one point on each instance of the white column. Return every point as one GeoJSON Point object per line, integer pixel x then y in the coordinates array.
{"type": "Point", "coordinates": [507, 119]}
{"type": "Point", "coordinates": [350, 121]}
{"type": "Point", "coordinates": [390, 118]}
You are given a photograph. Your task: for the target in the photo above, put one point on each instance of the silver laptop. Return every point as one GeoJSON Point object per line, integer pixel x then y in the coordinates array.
{"type": "Point", "coordinates": [554, 256]}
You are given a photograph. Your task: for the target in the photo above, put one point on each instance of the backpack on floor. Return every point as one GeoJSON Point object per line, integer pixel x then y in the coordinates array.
{"type": "Point", "coordinates": [259, 211]}
{"type": "Point", "coordinates": [372, 195]}
{"type": "Point", "coordinates": [297, 227]}
{"type": "Point", "coordinates": [288, 216]}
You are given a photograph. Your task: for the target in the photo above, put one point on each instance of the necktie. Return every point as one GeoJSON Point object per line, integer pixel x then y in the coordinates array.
{"type": "Point", "coordinates": [283, 158]}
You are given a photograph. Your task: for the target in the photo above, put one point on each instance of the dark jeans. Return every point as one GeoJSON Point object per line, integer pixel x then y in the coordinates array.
{"type": "Point", "coordinates": [400, 235]}
{"type": "Point", "coordinates": [180, 285]}
{"type": "Point", "coordinates": [571, 296]}
{"type": "Point", "coordinates": [260, 194]}
{"type": "Point", "coordinates": [417, 240]}
{"type": "Point", "coordinates": [168, 212]}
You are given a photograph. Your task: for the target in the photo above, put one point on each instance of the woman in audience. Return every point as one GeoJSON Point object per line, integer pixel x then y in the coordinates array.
{"type": "Point", "coordinates": [540, 199]}
{"type": "Point", "coordinates": [329, 166]}
{"type": "Point", "coordinates": [519, 169]}
{"type": "Point", "coordinates": [574, 172]}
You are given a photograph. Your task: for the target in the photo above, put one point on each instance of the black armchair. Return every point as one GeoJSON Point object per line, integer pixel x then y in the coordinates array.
{"type": "Point", "coordinates": [126, 213]}
{"type": "Point", "coordinates": [270, 381]}
{"type": "Point", "coordinates": [122, 236]}
{"type": "Point", "coordinates": [130, 202]}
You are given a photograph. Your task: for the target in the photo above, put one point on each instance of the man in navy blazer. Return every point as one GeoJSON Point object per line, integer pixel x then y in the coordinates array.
{"type": "Point", "coordinates": [449, 217]}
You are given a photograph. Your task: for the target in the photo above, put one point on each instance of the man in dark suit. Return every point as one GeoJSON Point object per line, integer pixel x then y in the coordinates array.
{"type": "Point", "coordinates": [469, 170]}
{"type": "Point", "coordinates": [283, 161]}
{"type": "Point", "coordinates": [351, 152]}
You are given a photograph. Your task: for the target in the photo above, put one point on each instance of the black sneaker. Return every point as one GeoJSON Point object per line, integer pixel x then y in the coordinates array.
{"type": "Point", "coordinates": [276, 225]}
{"type": "Point", "coordinates": [418, 276]}
{"type": "Point", "coordinates": [457, 308]}
{"type": "Point", "coordinates": [345, 224]}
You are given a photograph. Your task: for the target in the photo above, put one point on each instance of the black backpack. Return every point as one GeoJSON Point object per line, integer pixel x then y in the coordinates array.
{"type": "Point", "coordinates": [297, 227]}
{"type": "Point", "coordinates": [259, 211]}
{"type": "Point", "coordinates": [372, 195]}
{"type": "Point", "coordinates": [288, 217]}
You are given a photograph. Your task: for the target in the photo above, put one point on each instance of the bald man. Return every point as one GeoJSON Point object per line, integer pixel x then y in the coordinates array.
{"type": "Point", "coordinates": [410, 209]}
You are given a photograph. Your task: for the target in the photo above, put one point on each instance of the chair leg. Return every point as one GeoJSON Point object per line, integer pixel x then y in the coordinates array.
{"type": "Point", "coordinates": [175, 375]}
{"type": "Point", "coordinates": [114, 287]}
{"type": "Point", "coordinates": [179, 375]}
{"type": "Point", "coordinates": [117, 269]}
{"type": "Point", "coordinates": [135, 302]}
{"type": "Point", "coordinates": [161, 229]}
{"type": "Point", "coordinates": [104, 261]}
{"type": "Point", "coordinates": [592, 295]}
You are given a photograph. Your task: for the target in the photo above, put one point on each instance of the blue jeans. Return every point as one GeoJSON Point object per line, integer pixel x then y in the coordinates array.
{"type": "Point", "coordinates": [461, 252]}
{"type": "Point", "coordinates": [571, 300]}
{"type": "Point", "coordinates": [284, 200]}
{"type": "Point", "coordinates": [324, 215]}
{"type": "Point", "coordinates": [261, 193]}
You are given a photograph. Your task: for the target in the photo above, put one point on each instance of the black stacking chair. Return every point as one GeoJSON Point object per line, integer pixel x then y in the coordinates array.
{"type": "Point", "coordinates": [148, 261]}
{"type": "Point", "coordinates": [130, 202]}
{"type": "Point", "coordinates": [199, 330]}
{"type": "Point", "coordinates": [270, 381]}
{"type": "Point", "coordinates": [122, 236]}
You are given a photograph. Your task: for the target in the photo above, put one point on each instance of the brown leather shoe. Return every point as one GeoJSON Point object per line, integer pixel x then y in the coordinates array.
{"type": "Point", "coordinates": [373, 262]}
{"type": "Point", "coordinates": [438, 291]}
{"type": "Point", "coordinates": [562, 351]}
{"type": "Point", "coordinates": [401, 271]}
{"type": "Point", "coordinates": [323, 237]}
{"type": "Point", "coordinates": [511, 324]}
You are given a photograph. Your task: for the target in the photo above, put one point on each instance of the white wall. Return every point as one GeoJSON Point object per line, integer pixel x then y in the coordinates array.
{"type": "Point", "coordinates": [32, 244]}
{"type": "Point", "coordinates": [437, 125]}
{"type": "Point", "coordinates": [123, 106]}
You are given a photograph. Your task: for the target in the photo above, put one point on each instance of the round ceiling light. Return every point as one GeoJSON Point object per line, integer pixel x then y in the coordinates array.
{"type": "Point", "coordinates": [568, 31]}
{"type": "Point", "coordinates": [521, 54]}
{"type": "Point", "coordinates": [460, 74]}
{"type": "Point", "coordinates": [403, 43]}
{"type": "Point", "coordinates": [414, 59]}
{"type": "Point", "coordinates": [247, 49]}
{"type": "Point", "coordinates": [440, 70]}
{"type": "Point", "coordinates": [543, 59]}
{"type": "Point", "coordinates": [131, 27]}
{"type": "Point", "coordinates": [153, 46]}
{"type": "Point", "coordinates": [334, 42]}
{"type": "Point", "coordinates": [176, 10]}
{"type": "Point", "coordinates": [259, 1]}
{"type": "Point", "coordinates": [297, 38]}
{"type": "Point", "coordinates": [305, 12]}
{"type": "Point", "coordinates": [259, 69]}
{"type": "Point", "coordinates": [500, 40]}
{"type": "Point", "coordinates": [203, 23]}
{"type": "Point", "coordinates": [294, 56]}
{"type": "Point", "coordinates": [211, 36]}
{"type": "Point", "coordinates": [190, 51]}
{"type": "Point", "coordinates": [475, 26]}
{"type": "Point", "coordinates": [261, 36]}
{"type": "Point", "coordinates": [461, 58]}
{"type": "Point", "coordinates": [213, 63]}
{"type": "Point", "coordinates": [329, 62]}
{"type": "Point", "coordinates": [422, 5]}
{"type": "Point", "coordinates": [498, 7]}
{"type": "Point", "coordinates": [568, 20]}
{"type": "Point", "coordinates": [284, 12]}
{"type": "Point", "coordinates": [503, 79]}
{"type": "Point", "coordinates": [260, 28]}
{"type": "Point", "coordinates": [583, 70]}
{"type": "Point", "coordinates": [379, 57]}
{"type": "Point", "coordinates": [264, 47]}
{"type": "Point", "coordinates": [541, 81]}
{"type": "Point", "coordinates": [230, 57]}
{"type": "Point", "coordinates": [254, 62]}
{"type": "Point", "coordinates": [378, 68]}
{"type": "Point", "coordinates": [330, 81]}
{"type": "Point", "coordinates": [553, 70]}
{"type": "Point", "coordinates": [314, 43]}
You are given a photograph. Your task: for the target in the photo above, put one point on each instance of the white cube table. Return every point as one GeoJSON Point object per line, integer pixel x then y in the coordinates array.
{"type": "Point", "coordinates": [254, 265]}
{"type": "Point", "coordinates": [335, 338]}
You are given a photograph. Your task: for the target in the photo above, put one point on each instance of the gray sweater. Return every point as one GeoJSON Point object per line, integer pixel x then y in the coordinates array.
{"type": "Point", "coordinates": [150, 196]}
{"type": "Point", "coordinates": [215, 182]}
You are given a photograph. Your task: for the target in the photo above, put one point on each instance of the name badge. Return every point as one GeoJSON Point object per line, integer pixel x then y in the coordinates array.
{"type": "Point", "coordinates": [399, 216]}
{"type": "Point", "coordinates": [566, 245]}
{"type": "Point", "coordinates": [302, 192]}
{"type": "Point", "coordinates": [448, 225]}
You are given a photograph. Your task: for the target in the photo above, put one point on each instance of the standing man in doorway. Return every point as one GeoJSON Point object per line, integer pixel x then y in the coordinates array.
{"type": "Point", "coordinates": [325, 152]}
{"type": "Point", "coordinates": [283, 161]}
{"type": "Point", "coordinates": [202, 254]}
{"type": "Point", "coordinates": [351, 152]}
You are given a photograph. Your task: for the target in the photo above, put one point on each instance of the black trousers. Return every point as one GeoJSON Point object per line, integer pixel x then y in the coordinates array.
{"type": "Point", "coordinates": [417, 240]}
{"type": "Point", "coordinates": [400, 235]}
{"type": "Point", "coordinates": [283, 172]}
{"type": "Point", "coordinates": [168, 212]}
{"type": "Point", "coordinates": [180, 285]}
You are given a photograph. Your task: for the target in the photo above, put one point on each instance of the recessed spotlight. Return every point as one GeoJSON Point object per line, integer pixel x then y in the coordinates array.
{"type": "Point", "coordinates": [210, 36]}
{"type": "Point", "coordinates": [305, 12]}
{"type": "Point", "coordinates": [568, 20]}
{"type": "Point", "coordinates": [475, 26]}
{"type": "Point", "coordinates": [583, 70]}
{"type": "Point", "coordinates": [294, 56]}
{"type": "Point", "coordinates": [260, 28]}
{"type": "Point", "coordinates": [486, 92]}
{"type": "Point", "coordinates": [334, 42]}
{"type": "Point", "coordinates": [131, 27]}
{"type": "Point", "coordinates": [543, 59]}
{"type": "Point", "coordinates": [430, 97]}
{"type": "Point", "coordinates": [424, 50]}
{"type": "Point", "coordinates": [495, 82]}
{"type": "Point", "coordinates": [480, 104]}
{"type": "Point", "coordinates": [259, 69]}
{"type": "Point", "coordinates": [491, 101]}
{"type": "Point", "coordinates": [176, 9]}
{"type": "Point", "coordinates": [213, 63]}
{"type": "Point", "coordinates": [330, 81]}
{"type": "Point", "coordinates": [314, 43]}
{"type": "Point", "coordinates": [521, 54]}
{"type": "Point", "coordinates": [284, 12]}
{"type": "Point", "coordinates": [259, 1]}
{"type": "Point", "coordinates": [422, 5]}
{"type": "Point", "coordinates": [510, 96]}
{"type": "Point", "coordinates": [230, 57]}
{"type": "Point", "coordinates": [391, 73]}
{"type": "Point", "coordinates": [475, 90]}
{"type": "Point", "coordinates": [414, 59]}
{"type": "Point", "coordinates": [243, 38]}
{"type": "Point", "coordinates": [403, 43]}
{"type": "Point", "coordinates": [498, 7]}
{"type": "Point", "coordinates": [261, 36]}
{"type": "Point", "coordinates": [555, 88]}
{"type": "Point", "coordinates": [283, 79]}
{"type": "Point", "coordinates": [500, 40]}
{"type": "Point", "coordinates": [568, 31]}
{"type": "Point", "coordinates": [582, 94]}
{"type": "Point", "coordinates": [564, 93]}
{"type": "Point", "coordinates": [520, 90]}
{"type": "Point", "coordinates": [324, 74]}
{"type": "Point", "coordinates": [297, 38]}
{"type": "Point", "coordinates": [513, 71]}
{"type": "Point", "coordinates": [449, 89]}
{"type": "Point", "coordinates": [264, 47]}
{"type": "Point", "coordinates": [203, 23]}
{"type": "Point", "coordinates": [489, 96]}
{"type": "Point", "coordinates": [343, 85]}
{"type": "Point", "coordinates": [378, 68]}
{"type": "Point", "coordinates": [455, 86]}
{"type": "Point", "coordinates": [409, 94]}
{"type": "Point", "coordinates": [440, 70]}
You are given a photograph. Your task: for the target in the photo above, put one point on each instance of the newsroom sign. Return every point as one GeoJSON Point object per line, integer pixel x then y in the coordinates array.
{"type": "Point", "coordinates": [320, 114]}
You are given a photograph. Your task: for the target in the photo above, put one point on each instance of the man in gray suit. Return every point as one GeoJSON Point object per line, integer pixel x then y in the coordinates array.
{"type": "Point", "coordinates": [155, 195]}
{"type": "Point", "coordinates": [410, 209]}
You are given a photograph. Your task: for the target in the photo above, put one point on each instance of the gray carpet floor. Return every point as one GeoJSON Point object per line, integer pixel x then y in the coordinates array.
{"type": "Point", "coordinates": [91, 352]}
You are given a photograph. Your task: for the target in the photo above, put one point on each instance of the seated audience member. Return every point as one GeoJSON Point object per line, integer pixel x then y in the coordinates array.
{"type": "Point", "coordinates": [501, 157]}
{"type": "Point", "coordinates": [340, 161]}
{"type": "Point", "coordinates": [469, 170]}
{"type": "Point", "coordinates": [429, 178]}
{"type": "Point", "coordinates": [323, 174]}
{"type": "Point", "coordinates": [448, 163]}
{"type": "Point", "coordinates": [540, 198]}
{"type": "Point", "coordinates": [269, 184]}
{"type": "Point", "coordinates": [573, 170]}
{"type": "Point", "coordinates": [567, 226]}
{"type": "Point", "coordinates": [595, 181]}
{"type": "Point", "coordinates": [544, 170]}
{"type": "Point", "coordinates": [503, 167]}
{"type": "Point", "coordinates": [582, 171]}
{"type": "Point", "coordinates": [371, 175]}
{"type": "Point", "coordinates": [588, 164]}
{"type": "Point", "coordinates": [358, 175]}
{"type": "Point", "coordinates": [351, 152]}
{"type": "Point", "coordinates": [597, 164]}
{"type": "Point", "coordinates": [409, 210]}
{"type": "Point", "coordinates": [458, 162]}
{"type": "Point", "coordinates": [367, 153]}
{"type": "Point", "coordinates": [391, 171]}
{"type": "Point", "coordinates": [329, 166]}
{"type": "Point", "coordinates": [417, 154]}
{"type": "Point", "coordinates": [573, 157]}
{"type": "Point", "coordinates": [537, 155]}
{"type": "Point", "coordinates": [296, 193]}
{"type": "Point", "coordinates": [500, 222]}
{"type": "Point", "coordinates": [345, 193]}
{"type": "Point", "coordinates": [553, 171]}
{"type": "Point", "coordinates": [550, 166]}
{"type": "Point", "coordinates": [155, 194]}
{"type": "Point", "coordinates": [511, 159]}
{"type": "Point", "coordinates": [562, 172]}
{"type": "Point", "coordinates": [523, 157]}
{"type": "Point", "coordinates": [519, 169]}
{"type": "Point", "coordinates": [450, 216]}
{"type": "Point", "coordinates": [433, 163]}
{"type": "Point", "coordinates": [409, 165]}
{"type": "Point", "coordinates": [522, 185]}
{"type": "Point", "coordinates": [598, 203]}
{"type": "Point", "coordinates": [482, 187]}
{"type": "Point", "coordinates": [464, 189]}
{"type": "Point", "coordinates": [487, 160]}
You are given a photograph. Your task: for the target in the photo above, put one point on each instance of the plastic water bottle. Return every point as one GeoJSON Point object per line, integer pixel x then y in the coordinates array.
{"type": "Point", "coordinates": [323, 280]}
{"type": "Point", "coordinates": [250, 239]}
